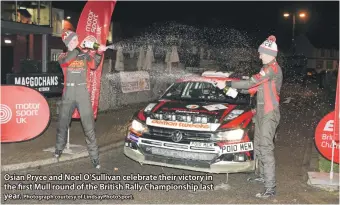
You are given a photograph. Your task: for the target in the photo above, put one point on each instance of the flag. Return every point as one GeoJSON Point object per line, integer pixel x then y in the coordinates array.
{"type": "Point", "coordinates": [337, 111]}
{"type": "Point", "coordinates": [94, 25]}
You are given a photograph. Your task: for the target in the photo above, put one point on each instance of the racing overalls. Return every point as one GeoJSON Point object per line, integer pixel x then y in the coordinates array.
{"type": "Point", "coordinates": [76, 95]}
{"type": "Point", "coordinates": [267, 83]}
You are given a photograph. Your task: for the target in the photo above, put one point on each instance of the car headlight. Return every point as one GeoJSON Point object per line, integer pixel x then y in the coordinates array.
{"type": "Point", "coordinates": [233, 114]}
{"type": "Point", "coordinates": [138, 127]}
{"type": "Point", "coordinates": [149, 107]}
{"type": "Point", "coordinates": [229, 135]}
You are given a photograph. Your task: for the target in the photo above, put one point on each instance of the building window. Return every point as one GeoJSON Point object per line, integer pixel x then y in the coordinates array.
{"type": "Point", "coordinates": [329, 65]}
{"type": "Point", "coordinates": [322, 52]}
{"type": "Point", "coordinates": [57, 21]}
{"type": "Point", "coordinates": [319, 64]}
{"type": "Point", "coordinates": [331, 53]}
{"type": "Point", "coordinates": [27, 12]}
{"type": "Point", "coordinates": [55, 54]}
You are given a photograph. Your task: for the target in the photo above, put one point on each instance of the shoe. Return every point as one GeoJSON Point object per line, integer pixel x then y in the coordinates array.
{"type": "Point", "coordinates": [269, 192]}
{"type": "Point", "coordinates": [256, 179]}
{"type": "Point", "coordinates": [96, 164]}
{"type": "Point", "coordinates": [57, 154]}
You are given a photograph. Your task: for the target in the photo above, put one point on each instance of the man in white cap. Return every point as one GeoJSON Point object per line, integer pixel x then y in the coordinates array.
{"type": "Point", "coordinates": [267, 83]}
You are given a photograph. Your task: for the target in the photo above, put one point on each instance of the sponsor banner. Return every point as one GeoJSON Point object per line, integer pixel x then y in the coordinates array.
{"type": "Point", "coordinates": [182, 125]}
{"type": "Point", "coordinates": [134, 81]}
{"type": "Point", "coordinates": [93, 25]}
{"type": "Point", "coordinates": [42, 82]}
{"type": "Point", "coordinates": [24, 113]}
{"type": "Point", "coordinates": [324, 134]}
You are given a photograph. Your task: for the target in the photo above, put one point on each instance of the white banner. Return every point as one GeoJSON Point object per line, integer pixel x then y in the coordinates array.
{"type": "Point", "coordinates": [134, 81]}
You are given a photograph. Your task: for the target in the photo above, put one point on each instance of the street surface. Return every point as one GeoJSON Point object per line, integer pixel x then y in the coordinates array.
{"type": "Point", "coordinates": [298, 119]}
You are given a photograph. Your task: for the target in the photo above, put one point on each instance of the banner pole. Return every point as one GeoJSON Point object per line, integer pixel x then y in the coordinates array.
{"type": "Point", "coordinates": [68, 139]}
{"type": "Point", "coordinates": [332, 161]}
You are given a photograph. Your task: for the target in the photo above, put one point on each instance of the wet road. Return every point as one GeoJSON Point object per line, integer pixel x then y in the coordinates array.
{"type": "Point", "coordinates": [298, 118]}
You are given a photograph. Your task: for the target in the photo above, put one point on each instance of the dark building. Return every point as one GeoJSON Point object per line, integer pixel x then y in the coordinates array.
{"type": "Point", "coordinates": [30, 36]}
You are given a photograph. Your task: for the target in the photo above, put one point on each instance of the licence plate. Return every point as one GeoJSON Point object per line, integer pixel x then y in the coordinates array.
{"type": "Point", "coordinates": [180, 154]}
{"type": "Point", "coordinates": [201, 144]}
{"type": "Point", "coordinates": [241, 147]}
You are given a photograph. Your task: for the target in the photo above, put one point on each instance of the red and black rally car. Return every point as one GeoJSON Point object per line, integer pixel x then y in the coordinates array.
{"type": "Point", "coordinates": [195, 126]}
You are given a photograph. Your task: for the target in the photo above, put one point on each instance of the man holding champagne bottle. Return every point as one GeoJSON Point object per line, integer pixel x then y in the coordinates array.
{"type": "Point", "coordinates": [76, 61]}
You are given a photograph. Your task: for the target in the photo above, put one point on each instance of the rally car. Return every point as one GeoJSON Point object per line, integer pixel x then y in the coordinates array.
{"type": "Point", "coordinates": [195, 126]}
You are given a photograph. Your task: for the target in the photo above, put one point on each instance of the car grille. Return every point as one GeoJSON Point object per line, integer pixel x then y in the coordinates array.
{"type": "Point", "coordinates": [178, 154]}
{"type": "Point", "coordinates": [165, 134]}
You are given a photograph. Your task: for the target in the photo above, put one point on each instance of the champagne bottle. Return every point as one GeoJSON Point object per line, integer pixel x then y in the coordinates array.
{"type": "Point", "coordinates": [96, 46]}
{"type": "Point", "coordinates": [91, 45]}
{"type": "Point", "coordinates": [230, 92]}
{"type": "Point", "coordinates": [226, 89]}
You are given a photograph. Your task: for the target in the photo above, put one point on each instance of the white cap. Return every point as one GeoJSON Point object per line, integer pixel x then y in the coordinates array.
{"type": "Point", "coordinates": [269, 46]}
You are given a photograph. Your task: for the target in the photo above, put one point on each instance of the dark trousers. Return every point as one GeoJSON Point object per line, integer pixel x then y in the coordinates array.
{"type": "Point", "coordinates": [77, 97]}
{"type": "Point", "coordinates": [265, 130]}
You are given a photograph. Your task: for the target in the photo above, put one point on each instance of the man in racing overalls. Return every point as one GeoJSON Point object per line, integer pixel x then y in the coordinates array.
{"type": "Point", "coordinates": [76, 95]}
{"type": "Point", "coordinates": [267, 84]}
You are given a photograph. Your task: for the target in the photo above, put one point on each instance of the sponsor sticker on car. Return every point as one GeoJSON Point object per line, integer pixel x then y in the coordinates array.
{"type": "Point", "coordinates": [192, 106]}
{"type": "Point", "coordinates": [234, 148]}
{"type": "Point", "coordinates": [215, 107]}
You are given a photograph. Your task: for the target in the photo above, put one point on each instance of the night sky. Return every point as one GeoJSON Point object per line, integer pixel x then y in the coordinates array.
{"type": "Point", "coordinates": [258, 18]}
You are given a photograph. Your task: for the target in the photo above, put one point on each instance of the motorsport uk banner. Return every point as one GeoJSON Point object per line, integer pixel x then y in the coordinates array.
{"type": "Point", "coordinates": [94, 25]}
{"type": "Point", "coordinates": [43, 82]}
{"type": "Point", "coordinates": [24, 113]}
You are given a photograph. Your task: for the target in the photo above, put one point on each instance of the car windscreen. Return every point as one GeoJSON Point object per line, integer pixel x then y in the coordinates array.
{"type": "Point", "coordinates": [202, 91]}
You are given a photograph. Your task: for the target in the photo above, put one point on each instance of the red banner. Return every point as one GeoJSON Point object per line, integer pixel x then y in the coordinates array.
{"type": "Point", "coordinates": [324, 134]}
{"type": "Point", "coordinates": [337, 111]}
{"type": "Point", "coordinates": [94, 25]}
{"type": "Point", "coordinates": [24, 113]}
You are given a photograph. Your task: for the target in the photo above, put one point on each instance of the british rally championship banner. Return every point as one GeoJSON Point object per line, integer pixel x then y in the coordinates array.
{"type": "Point", "coordinates": [134, 81]}
{"type": "Point", "coordinates": [43, 82]}
{"type": "Point", "coordinates": [94, 25]}
{"type": "Point", "coordinates": [324, 135]}
{"type": "Point", "coordinates": [327, 132]}
{"type": "Point", "coordinates": [24, 113]}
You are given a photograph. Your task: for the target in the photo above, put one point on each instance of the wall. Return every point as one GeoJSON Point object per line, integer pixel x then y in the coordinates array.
{"type": "Point", "coordinates": [20, 51]}
{"type": "Point", "coordinates": [112, 97]}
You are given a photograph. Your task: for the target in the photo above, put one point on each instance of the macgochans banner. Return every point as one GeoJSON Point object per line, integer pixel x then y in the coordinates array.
{"type": "Point", "coordinates": [94, 25]}
{"type": "Point", "coordinates": [24, 113]}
